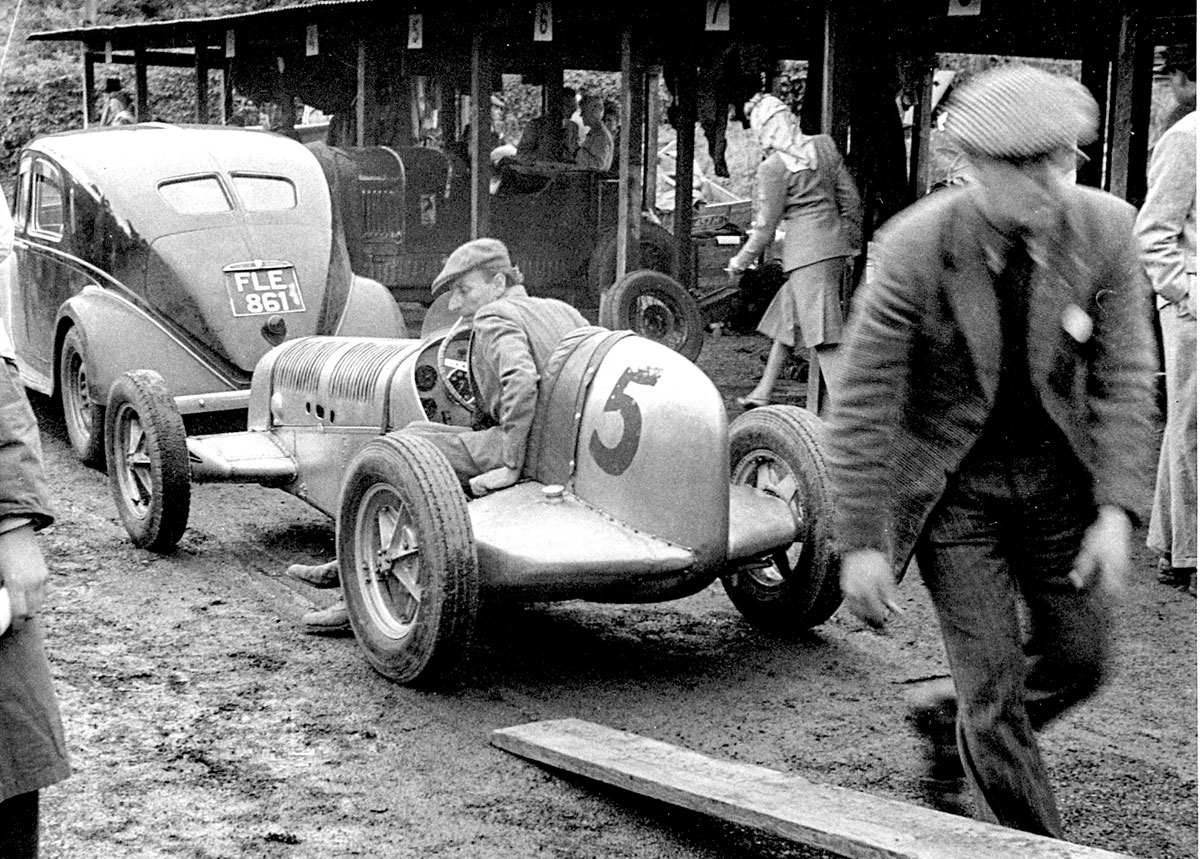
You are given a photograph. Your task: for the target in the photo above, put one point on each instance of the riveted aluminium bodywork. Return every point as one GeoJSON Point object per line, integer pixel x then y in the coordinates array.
{"type": "Point", "coordinates": [637, 520]}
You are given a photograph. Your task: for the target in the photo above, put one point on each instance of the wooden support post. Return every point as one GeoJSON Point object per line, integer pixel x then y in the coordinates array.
{"type": "Point", "coordinates": [1095, 78]}
{"type": "Point", "coordinates": [653, 118]}
{"type": "Point", "coordinates": [918, 168]}
{"type": "Point", "coordinates": [89, 86]}
{"type": "Point", "coordinates": [629, 192]}
{"type": "Point", "coordinates": [360, 100]}
{"type": "Point", "coordinates": [1130, 106]}
{"type": "Point", "coordinates": [141, 90]}
{"type": "Point", "coordinates": [685, 159]}
{"type": "Point", "coordinates": [226, 93]}
{"type": "Point", "coordinates": [481, 120]}
{"type": "Point", "coordinates": [201, 65]}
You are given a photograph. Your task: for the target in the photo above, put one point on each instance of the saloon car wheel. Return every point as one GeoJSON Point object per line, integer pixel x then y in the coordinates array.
{"type": "Point", "coordinates": [655, 306]}
{"type": "Point", "coordinates": [83, 416]}
{"type": "Point", "coordinates": [777, 449]}
{"type": "Point", "coordinates": [408, 564]}
{"type": "Point", "coordinates": [148, 469]}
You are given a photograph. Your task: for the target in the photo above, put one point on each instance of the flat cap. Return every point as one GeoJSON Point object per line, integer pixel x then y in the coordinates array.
{"type": "Point", "coordinates": [474, 254]}
{"type": "Point", "coordinates": [1016, 112]}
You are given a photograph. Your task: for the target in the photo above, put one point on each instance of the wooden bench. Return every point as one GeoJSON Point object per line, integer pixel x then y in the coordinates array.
{"type": "Point", "coordinates": [843, 822]}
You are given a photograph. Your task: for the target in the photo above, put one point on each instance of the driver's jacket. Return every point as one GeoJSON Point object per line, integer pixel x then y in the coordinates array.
{"type": "Point", "coordinates": [511, 342]}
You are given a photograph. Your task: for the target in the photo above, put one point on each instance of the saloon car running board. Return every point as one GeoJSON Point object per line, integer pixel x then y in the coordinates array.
{"type": "Point", "coordinates": [240, 457]}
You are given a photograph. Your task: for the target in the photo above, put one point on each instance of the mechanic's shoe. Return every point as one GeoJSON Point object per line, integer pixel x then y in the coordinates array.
{"type": "Point", "coordinates": [317, 575]}
{"type": "Point", "coordinates": [334, 620]}
{"type": "Point", "coordinates": [943, 782]}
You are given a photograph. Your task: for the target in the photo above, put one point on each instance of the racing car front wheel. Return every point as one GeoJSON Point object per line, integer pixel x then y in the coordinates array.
{"type": "Point", "coordinates": [148, 469]}
{"type": "Point", "coordinates": [777, 449]}
{"type": "Point", "coordinates": [408, 563]}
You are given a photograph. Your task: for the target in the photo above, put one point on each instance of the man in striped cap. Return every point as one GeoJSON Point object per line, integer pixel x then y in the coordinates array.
{"type": "Point", "coordinates": [992, 422]}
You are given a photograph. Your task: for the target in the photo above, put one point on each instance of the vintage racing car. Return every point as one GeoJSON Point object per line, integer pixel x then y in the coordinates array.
{"type": "Point", "coordinates": [635, 487]}
{"type": "Point", "coordinates": [187, 250]}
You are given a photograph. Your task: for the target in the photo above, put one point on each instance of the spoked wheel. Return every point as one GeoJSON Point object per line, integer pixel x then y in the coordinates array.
{"type": "Point", "coordinates": [656, 306]}
{"type": "Point", "coordinates": [83, 416]}
{"type": "Point", "coordinates": [777, 449]}
{"type": "Point", "coordinates": [148, 468]}
{"type": "Point", "coordinates": [407, 558]}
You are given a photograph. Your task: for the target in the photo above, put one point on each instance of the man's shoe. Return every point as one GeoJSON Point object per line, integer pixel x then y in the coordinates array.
{"type": "Point", "coordinates": [942, 782]}
{"type": "Point", "coordinates": [317, 575]}
{"type": "Point", "coordinates": [334, 620]}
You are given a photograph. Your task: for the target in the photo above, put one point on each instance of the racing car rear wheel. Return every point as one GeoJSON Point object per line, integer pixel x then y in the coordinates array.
{"type": "Point", "coordinates": [777, 449]}
{"type": "Point", "coordinates": [655, 306]}
{"type": "Point", "coordinates": [408, 564]}
{"type": "Point", "coordinates": [148, 469]}
{"type": "Point", "coordinates": [83, 416]}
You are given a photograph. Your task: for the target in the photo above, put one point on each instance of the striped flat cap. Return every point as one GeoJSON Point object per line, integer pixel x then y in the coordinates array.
{"type": "Point", "coordinates": [1016, 112]}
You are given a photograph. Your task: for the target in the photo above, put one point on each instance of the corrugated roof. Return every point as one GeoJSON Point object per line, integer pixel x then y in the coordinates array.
{"type": "Point", "coordinates": [141, 31]}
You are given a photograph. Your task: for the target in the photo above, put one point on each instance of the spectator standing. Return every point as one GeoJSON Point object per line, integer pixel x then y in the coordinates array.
{"type": "Point", "coordinates": [116, 110]}
{"type": "Point", "coordinates": [1166, 231]}
{"type": "Point", "coordinates": [1179, 65]}
{"type": "Point", "coordinates": [32, 752]}
{"type": "Point", "coordinates": [803, 183]}
{"type": "Point", "coordinates": [991, 419]}
{"type": "Point", "coordinates": [553, 136]}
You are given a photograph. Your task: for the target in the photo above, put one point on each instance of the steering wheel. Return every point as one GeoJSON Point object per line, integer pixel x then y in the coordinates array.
{"type": "Point", "coordinates": [454, 365]}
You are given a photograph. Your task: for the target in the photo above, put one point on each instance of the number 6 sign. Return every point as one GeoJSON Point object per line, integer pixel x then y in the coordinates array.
{"type": "Point", "coordinates": [543, 21]}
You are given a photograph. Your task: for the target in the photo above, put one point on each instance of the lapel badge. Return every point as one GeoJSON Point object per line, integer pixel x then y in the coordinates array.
{"type": "Point", "coordinates": [1077, 323]}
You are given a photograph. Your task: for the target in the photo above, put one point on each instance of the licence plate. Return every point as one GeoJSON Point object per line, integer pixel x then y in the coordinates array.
{"type": "Point", "coordinates": [259, 288]}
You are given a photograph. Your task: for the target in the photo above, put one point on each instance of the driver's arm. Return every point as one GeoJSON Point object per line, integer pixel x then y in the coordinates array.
{"type": "Point", "coordinates": [507, 378]}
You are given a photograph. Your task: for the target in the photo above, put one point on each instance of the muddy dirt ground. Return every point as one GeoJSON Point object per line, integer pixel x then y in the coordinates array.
{"type": "Point", "coordinates": [203, 723]}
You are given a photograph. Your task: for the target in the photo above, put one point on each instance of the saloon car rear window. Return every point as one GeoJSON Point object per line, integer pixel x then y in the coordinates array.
{"type": "Point", "coordinates": [197, 195]}
{"type": "Point", "coordinates": [264, 193]}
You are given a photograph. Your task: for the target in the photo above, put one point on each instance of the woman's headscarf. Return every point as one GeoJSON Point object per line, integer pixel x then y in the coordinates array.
{"type": "Point", "coordinates": [778, 131]}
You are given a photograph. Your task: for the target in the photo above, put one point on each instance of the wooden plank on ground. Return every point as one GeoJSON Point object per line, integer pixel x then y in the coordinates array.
{"type": "Point", "coordinates": [845, 822]}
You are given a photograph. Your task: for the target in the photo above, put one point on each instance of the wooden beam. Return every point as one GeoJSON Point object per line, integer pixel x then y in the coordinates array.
{"type": "Point", "coordinates": [629, 210]}
{"type": "Point", "coordinates": [140, 87]}
{"type": "Point", "coordinates": [685, 169]}
{"type": "Point", "coordinates": [1130, 110]}
{"type": "Point", "coordinates": [844, 822]}
{"type": "Point", "coordinates": [89, 87]}
{"type": "Point", "coordinates": [918, 169]}
{"type": "Point", "coordinates": [201, 63]}
{"type": "Point", "coordinates": [653, 118]}
{"type": "Point", "coordinates": [215, 59]}
{"type": "Point", "coordinates": [481, 121]}
{"type": "Point", "coordinates": [226, 95]}
{"type": "Point", "coordinates": [360, 101]}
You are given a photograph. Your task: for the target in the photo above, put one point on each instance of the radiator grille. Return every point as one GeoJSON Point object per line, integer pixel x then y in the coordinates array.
{"type": "Point", "coordinates": [299, 368]}
{"type": "Point", "coordinates": [358, 369]}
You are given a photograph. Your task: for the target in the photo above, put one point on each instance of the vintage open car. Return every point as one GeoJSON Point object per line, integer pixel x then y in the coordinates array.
{"type": "Point", "coordinates": [635, 487]}
{"type": "Point", "coordinates": [187, 250]}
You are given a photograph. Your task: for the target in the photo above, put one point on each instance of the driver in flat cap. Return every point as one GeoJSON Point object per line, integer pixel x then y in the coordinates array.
{"type": "Point", "coordinates": [993, 423]}
{"type": "Point", "coordinates": [513, 335]}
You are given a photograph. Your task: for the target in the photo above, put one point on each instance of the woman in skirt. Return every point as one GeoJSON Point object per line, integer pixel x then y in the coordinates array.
{"type": "Point", "coordinates": [802, 184]}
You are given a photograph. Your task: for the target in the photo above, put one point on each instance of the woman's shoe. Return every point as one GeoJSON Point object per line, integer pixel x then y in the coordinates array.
{"type": "Point", "coordinates": [748, 403]}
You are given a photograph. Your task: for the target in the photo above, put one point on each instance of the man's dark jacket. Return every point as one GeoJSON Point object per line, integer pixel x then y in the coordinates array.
{"type": "Point", "coordinates": [923, 356]}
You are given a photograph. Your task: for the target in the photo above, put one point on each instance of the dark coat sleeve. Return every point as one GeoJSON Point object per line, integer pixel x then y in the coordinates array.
{"type": "Point", "coordinates": [23, 490]}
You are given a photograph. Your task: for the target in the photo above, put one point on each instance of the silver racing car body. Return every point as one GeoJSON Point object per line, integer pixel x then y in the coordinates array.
{"type": "Point", "coordinates": [635, 487]}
